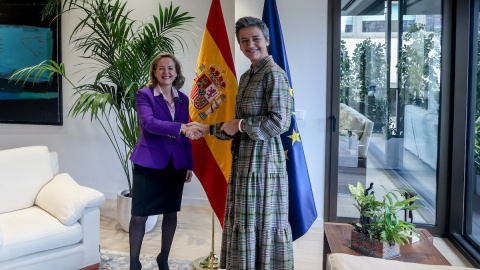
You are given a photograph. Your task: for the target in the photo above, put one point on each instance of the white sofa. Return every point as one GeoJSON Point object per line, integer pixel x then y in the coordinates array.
{"type": "Point", "coordinates": [47, 220]}
{"type": "Point", "coordinates": [351, 171]}
{"type": "Point", "coordinates": [339, 261]}
{"type": "Point", "coordinates": [351, 120]}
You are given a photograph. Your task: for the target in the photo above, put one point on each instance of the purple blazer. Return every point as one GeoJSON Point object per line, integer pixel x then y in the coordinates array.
{"type": "Point", "coordinates": [161, 138]}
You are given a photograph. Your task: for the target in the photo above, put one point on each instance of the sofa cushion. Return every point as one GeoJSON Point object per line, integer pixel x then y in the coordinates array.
{"type": "Point", "coordinates": [24, 171]}
{"type": "Point", "coordinates": [66, 200]}
{"type": "Point", "coordinates": [339, 261]}
{"type": "Point", "coordinates": [357, 124]}
{"type": "Point", "coordinates": [352, 120]}
{"type": "Point", "coordinates": [32, 230]}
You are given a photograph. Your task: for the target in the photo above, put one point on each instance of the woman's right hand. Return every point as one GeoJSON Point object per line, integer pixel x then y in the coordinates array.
{"type": "Point", "coordinates": [203, 129]}
{"type": "Point", "coordinates": [194, 130]}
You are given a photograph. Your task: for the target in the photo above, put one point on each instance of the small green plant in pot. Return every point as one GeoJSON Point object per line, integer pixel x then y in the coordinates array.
{"type": "Point", "coordinates": [380, 231]}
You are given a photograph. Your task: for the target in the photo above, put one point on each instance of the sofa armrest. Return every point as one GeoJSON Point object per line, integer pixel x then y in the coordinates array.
{"type": "Point", "coordinates": [364, 141]}
{"type": "Point", "coordinates": [90, 222]}
{"type": "Point", "coordinates": [66, 200]}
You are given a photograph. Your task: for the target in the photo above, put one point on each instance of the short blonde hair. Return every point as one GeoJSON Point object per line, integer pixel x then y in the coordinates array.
{"type": "Point", "coordinates": [178, 82]}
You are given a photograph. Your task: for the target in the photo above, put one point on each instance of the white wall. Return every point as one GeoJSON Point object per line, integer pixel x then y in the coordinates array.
{"type": "Point", "coordinates": [304, 27]}
{"type": "Point", "coordinates": [84, 150]}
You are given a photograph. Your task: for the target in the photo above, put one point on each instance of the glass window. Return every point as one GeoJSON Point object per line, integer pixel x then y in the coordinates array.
{"type": "Point", "coordinates": [472, 215]}
{"type": "Point", "coordinates": [388, 125]}
{"type": "Point", "coordinates": [347, 24]}
{"type": "Point", "coordinates": [407, 19]}
{"type": "Point", "coordinates": [373, 23]}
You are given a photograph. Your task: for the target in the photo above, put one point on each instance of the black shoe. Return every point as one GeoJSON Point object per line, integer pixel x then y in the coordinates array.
{"type": "Point", "coordinates": [135, 266]}
{"type": "Point", "coordinates": [162, 264]}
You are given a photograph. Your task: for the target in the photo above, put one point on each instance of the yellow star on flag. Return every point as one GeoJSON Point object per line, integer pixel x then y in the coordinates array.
{"type": "Point", "coordinates": [295, 137]}
{"type": "Point", "coordinates": [286, 151]}
{"type": "Point", "coordinates": [291, 91]}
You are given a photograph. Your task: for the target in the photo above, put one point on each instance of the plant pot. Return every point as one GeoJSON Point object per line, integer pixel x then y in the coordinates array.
{"type": "Point", "coordinates": [124, 210]}
{"type": "Point", "coordinates": [373, 247]}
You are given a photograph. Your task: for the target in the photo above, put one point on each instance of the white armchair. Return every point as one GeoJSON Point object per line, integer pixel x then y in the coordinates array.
{"type": "Point", "coordinates": [351, 120]}
{"type": "Point", "coordinates": [356, 128]}
{"type": "Point", "coordinates": [47, 220]}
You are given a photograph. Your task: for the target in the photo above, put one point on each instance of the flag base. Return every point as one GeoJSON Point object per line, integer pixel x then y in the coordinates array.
{"type": "Point", "coordinates": [208, 262]}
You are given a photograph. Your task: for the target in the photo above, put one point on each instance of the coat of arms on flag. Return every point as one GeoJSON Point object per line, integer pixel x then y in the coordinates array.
{"type": "Point", "coordinates": [206, 89]}
{"type": "Point", "coordinates": [215, 80]}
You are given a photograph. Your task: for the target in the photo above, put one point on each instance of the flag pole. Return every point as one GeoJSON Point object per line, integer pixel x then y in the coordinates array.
{"type": "Point", "coordinates": [211, 261]}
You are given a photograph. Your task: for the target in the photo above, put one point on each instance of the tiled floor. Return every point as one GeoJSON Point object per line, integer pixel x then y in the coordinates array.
{"type": "Point", "coordinates": [194, 234]}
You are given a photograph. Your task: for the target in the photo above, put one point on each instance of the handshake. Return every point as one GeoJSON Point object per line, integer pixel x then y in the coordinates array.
{"type": "Point", "coordinates": [194, 130]}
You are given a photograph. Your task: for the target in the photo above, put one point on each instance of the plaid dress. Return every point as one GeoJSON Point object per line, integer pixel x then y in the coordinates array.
{"type": "Point", "coordinates": [256, 233]}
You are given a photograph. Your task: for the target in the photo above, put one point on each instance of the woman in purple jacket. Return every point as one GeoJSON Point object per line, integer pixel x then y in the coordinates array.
{"type": "Point", "coordinates": [163, 156]}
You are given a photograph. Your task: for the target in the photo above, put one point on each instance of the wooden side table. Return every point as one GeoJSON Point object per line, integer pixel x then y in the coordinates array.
{"type": "Point", "coordinates": [336, 239]}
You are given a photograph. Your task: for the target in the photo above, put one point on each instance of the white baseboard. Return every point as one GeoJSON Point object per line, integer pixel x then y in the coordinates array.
{"type": "Point", "coordinates": [318, 223]}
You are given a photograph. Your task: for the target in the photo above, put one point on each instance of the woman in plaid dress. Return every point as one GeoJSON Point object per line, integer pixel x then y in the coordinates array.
{"type": "Point", "coordinates": [256, 232]}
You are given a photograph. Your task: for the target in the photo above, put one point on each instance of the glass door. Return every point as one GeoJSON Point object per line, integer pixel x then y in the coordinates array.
{"type": "Point", "coordinates": [388, 101]}
{"type": "Point", "coordinates": [464, 216]}
{"type": "Point", "coordinates": [472, 190]}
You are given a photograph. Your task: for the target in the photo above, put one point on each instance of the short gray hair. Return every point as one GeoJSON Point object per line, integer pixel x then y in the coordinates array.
{"type": "Point", "coordinates": [248, 21]}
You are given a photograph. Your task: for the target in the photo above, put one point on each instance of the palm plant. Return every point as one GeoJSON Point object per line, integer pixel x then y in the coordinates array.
{"type": "Point", "coordinates": [119, 51]}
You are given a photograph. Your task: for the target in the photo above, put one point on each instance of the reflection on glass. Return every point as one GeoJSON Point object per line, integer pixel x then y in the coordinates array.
{"type": "Point", "coordinates": [373, 23]}
{"type": "Point", "coordinates": [473, 188]}
{"type": "Point", "coordinates": [389, 111]}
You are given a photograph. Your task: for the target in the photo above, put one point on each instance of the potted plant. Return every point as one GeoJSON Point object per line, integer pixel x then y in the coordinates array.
{"type": "Point", "coordinates": [119, 51]}
{"type": "Point", "coordinates": [379, 232]}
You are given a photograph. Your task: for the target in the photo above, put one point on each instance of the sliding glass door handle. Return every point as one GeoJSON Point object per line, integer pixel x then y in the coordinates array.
{"type": "Point", "coordinates": [334, 123]}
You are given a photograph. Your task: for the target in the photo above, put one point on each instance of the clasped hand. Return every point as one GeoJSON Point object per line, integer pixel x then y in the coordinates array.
{"type": "Point", "coordinates": [194, 130]}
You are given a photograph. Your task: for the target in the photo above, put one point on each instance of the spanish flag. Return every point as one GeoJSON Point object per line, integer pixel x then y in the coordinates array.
{"type": "Point", "coordinates": [212, 100]}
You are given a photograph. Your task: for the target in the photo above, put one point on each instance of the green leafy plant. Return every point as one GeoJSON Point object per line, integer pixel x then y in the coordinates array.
{"type": "Point", "coordinates": [369, 65]}
{"type": "Point", "coordinates": [345, 74]}
{"type": "Point", "coordinates": [476, 147]}
{"type": "Point", "coordinates": [368, 207]}
{"type": "Point", "coordinates": [363, 80]}
{"type": "Point", "coordinates": [118, 51]}
{"type": "Point", "coordinates": [380, 219]}
{"type": "Point", "coordinates": [418, 73]}
{"type": "Point", "coordinates": [419, 60]}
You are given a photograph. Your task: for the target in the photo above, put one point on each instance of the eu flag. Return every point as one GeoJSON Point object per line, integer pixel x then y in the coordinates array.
{"type": "Point", "coordinates": [302, 211]}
